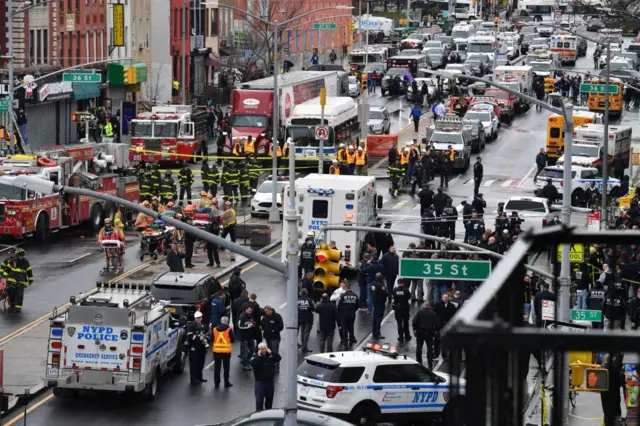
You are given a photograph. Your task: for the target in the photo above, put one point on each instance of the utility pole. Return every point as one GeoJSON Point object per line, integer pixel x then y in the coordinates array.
{"type": "Point", "coordinates": [11, 77]}
{"type": "Point", "coordinates": [408, 12]}
{"type": "Point", "coordinates": [183, 79]}
{"type": "Point", "coordinates": [605, 156]}
{"type": "Point", "coordinates": [274, 213]}
{"type": "Point", "coordinates": [292, 250]}
{"type": "Point", "coordinates": [365, 114]}
{"type": "Point", "coordinates": [323, 102]}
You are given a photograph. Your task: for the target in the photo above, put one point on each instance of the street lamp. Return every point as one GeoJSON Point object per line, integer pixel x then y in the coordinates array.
{"type": "Point", "coordinates": [274, 213]}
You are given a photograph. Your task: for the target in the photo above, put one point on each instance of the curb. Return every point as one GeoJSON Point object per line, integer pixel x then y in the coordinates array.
{"type": "Point", "coordinates": [40, 388]}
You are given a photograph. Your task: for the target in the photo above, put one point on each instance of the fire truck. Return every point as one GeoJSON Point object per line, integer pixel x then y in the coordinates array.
{"type": "Point", "coordinates": [99, 167]}
{"type": "Point", "coordinates": [169, 134]}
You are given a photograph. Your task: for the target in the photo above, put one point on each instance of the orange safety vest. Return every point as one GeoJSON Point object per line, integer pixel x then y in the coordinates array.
{"type": "Point", "coordinates": [222, 341]}
{"type": "Point", "coordinates": [334, 170]}
{"type": "Point", "coordinates": [341, 154]}
{"type": "Point", "coordinates": [236, 150]}
{"type": "Point", "coordinates": [351, 158]}
{"type": "Point", "coordinates": [452, 154]}
{"type": "Point", "coordinates": [249, 147]}
{"type": "Point", "coordinates": [361, 159]}
{"type": "Point", "coordinates": [404, 158]}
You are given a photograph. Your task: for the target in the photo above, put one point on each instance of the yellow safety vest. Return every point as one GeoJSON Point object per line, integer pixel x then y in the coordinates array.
{"type": "Point", "coordinates": [222, 341]}
{"type": "Point", "coordinates": [361, 159]}
{"type": "Point", "coordinates": [351, 158]}
{"type": "Point", "coordinates": [249, 147]}
{"type": "Point", "coordinates": [404, 158]}
{"type": "Point", "coordinates": [452, 155]}
{"type": "Point", "coordinates": [279, 152]}
{"type": "Point", "coordinates": [334, 170]}
{"type": "Point", "coordinates": [108, 130]}
{"type": "Point", "coordinates": [342, 154]}
{"type": "Point", "coordinates": [176, 85]}
{"type": "Point", "coordinates": [236, 150]}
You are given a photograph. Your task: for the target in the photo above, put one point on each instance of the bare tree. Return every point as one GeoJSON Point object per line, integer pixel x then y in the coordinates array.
{"type": "Point", "coordinates": [623, 14]}
{"type": "Point", "coordinates": [159, 73]}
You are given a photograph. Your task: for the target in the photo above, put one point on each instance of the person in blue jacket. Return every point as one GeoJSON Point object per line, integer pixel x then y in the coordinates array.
{"type": "Point", "coordinates": [218, 309]}
{"type": "Point", "coordinates": [372, 267]}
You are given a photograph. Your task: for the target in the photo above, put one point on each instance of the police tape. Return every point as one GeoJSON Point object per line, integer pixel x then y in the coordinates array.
{"type": "Point", "coordinates": [623, 279]}
{"type": "Point", "coordinates": [196, 171]}
{"type": "Point", "coordinates": [590, 419]}
{"type": "Point", "coordinates": [218, 157]}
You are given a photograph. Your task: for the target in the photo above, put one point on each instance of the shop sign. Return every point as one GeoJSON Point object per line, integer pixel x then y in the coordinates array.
{"type": "Point", "coordinates": [55, 91]}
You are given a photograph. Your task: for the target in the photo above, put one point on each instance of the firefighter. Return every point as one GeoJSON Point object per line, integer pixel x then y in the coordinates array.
{"type": "Point", "coordinates": [140, 168]}
{"type": "Point", "coordinates": [17, 271]}
{"type": "Point", "coordinates": [335, 168]}
{"type": "Point", "coordinates": [156, 177]}
{"type": "Point", "coordinates": [361, 162]}
{"type": "Point", "coordinates": [228, 182]}
{"type": "Point", "coordinates": [405, 155]}
{"type": "Point", "coordinates": [146, 186]}
{"type": "Point", "coordinates": [243, 182]}
{"type": "Point", "coordinates": [249, 146]}
{"type": "Point", "coordinates": [204, 202]}
{"type": "Point", "coordinates": [254, 172]}
{"type": "Point", "coordinates": [168, 187]}
{"type": "Point", "coordinates": [214, 180]}
{"type": "Point", "coordinates": [185, 179]}
{"type": "Point", "coordinates": [205, 175]}
{"type": "Point", "coordinates": [351, 160]}
{"type": "Point", "coordinates": [341, 155]}
{"type": "Point", "coordinates": [396, 172]}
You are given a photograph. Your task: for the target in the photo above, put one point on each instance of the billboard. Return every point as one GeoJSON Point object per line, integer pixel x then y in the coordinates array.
{"type": "Point", "coordinates": [118, 25]}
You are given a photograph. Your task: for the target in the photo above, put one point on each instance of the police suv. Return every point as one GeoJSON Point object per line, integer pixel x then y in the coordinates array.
{"type": "Point", "coordinates": [581, 179]}
{"type": "Point", "coordinates": [375, 385]}
{"type": "Point", "coordinates": [450, 131]}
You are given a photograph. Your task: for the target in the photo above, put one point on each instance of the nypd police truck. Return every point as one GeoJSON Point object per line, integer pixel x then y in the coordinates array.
{"type": "Point", "coordinates": [336, 199]}
{"type": "Point", "coordinates": [118, 338]}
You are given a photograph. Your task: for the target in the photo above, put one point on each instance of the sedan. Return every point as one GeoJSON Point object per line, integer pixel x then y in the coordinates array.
{"type": "Point", "coordinates": [623, 74]}
{"type": "Point", "coordinates": [354, 86]}
{"type": "Point", "coordinates": [275, 417]}
{"type": "Point", "coordinates": [261, 201]}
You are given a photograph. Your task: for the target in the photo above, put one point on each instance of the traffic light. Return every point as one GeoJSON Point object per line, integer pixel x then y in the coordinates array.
{"type": "Point", "coordinates": [326, 270]}
{"type": "Point", "coordinates": [129, 75]}
{"type": "Point", "coordinates": [597, 379]}
{"type": "Point", "coordinates": [364, 81]}
{"type": "Point", "coordinates": [350, 27]}
{"type": "Point", "coordinates": [496, 22]}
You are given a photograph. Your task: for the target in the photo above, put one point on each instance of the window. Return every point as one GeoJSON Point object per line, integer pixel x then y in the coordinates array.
{"type": "Point", "coordinates": [417, 373]}
{"type": "Point", "coordinates": [320, 209]}
{"type": "Point", "coordinates": [45, 47]}
{"type": "Point", "coordinates": [389, 374]}
{"type": "Point", "coordinates": [147, 35]}
{"type": "Point", "coordinates": [133, 33]}
{"type": "Point", "coordinates": [62, 49]}
{"type": "Point", "coordinates": [61, 5]}
{"type": "Point", "coordinates": [78, 56]}
{"type": "Point", "coordinates": [32, 46]}
{"type": "Point", "coordinates": [140, 40]}
{"type": "Point", "coordinates": [351, 374]}
{"type": "Point", "coordinates": [214, 22]}
{"type": "Point", "coordinates": [70, 49]}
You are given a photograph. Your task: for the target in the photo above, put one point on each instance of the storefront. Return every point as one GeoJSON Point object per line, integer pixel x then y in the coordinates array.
{"type": "Point", "coordinates": [49, 107]}
{"type": "Point", "coordinates": [124, 83]}
{"type": "Point", "coordinates": [199, 71]}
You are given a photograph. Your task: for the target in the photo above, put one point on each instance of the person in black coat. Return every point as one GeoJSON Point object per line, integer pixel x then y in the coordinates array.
{"type": "Point", "coordinates": [264, 370]}
{"type": "Point", "coordinates": [307, 282]}
{"type": "Point", "coordinates": [425, 326]}
{"type": "Point", "coordinates": [174, 260]}
{"type": "Point", "coordinates": [391, 263]}
{"type": "Point", "coordinates": [618, 165]}
{"type": "Point", "coordinates": [328, 320]}
{"type": "Point", "coordinates": [479, 204]}
{"type": "Point", "coordinates": [393, 154]}
{"type": "Point", "coordinates": [306, 308]}
{"type": "Point", "coordinates": [543, 294]}
{"type": "Point", "coordinates": [272, 326]}
{"type": "Point", "coordinates": [426, 198]}
{"type": "Point", "coordinates": [444, 310]}
{"type": "Point", "coordinates": [237, 306]}
{"type": "Point", "coordinates": [440, 201]}
{"type": "Point", "coordinates": [384, 241]}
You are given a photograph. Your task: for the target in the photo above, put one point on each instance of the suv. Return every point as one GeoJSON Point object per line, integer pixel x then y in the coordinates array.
{"type": "Point", "coordinates": [478, 137]}
{"type": "Point", "coordinates": [186, 293]}
{"type": "Point", "coordinates": [531, 210]}
{"type": "Point", "coordinates": [379, 121]}
{"type": "Point", "coordinates": [367, 388]}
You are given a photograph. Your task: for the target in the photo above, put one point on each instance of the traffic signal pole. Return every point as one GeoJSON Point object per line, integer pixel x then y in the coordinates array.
{"type": "Point", "coordinates": [323, 103]}
{"type": "Point", "coordinates": [11, 77]}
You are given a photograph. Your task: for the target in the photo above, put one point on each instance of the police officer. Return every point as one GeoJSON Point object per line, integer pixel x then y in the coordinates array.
{"type": "Point", "coordinates": [235, 182]}
{"type": "Point", "coordinates": [197, 345]}
{"type": "Point", "coordinates": [450, 214]}
{"type": "Point", "coordinates": [189, 242]}
{"type": "Point", "coordinates": [168, 187]}
{"type": "Point", "coordinates": [204, 175]}
{"type": "Point", "coordinates": [222, 340]}
{"type": "Point", "coordinates": [613, 309]}
{"type": "Point", "coordinates": [550, 192]}
{"type": "Point", "coordinates": [213, 227]}
{"type": "Point", "coordinates": [425, 326]}
{"type": "Point", "coordinates": [379, 295]}
{"type": "Point", "coordinates": [478, 172]}
{"type": "Point", "coordinates": [244, 182]}
{"type": "Point", "coordinates": [401, 307]}
{"type": "Point", "coordinates": [306, 309]}
{"type": "Point", "coordinates": [307, 252]}
{"type": "Point", "coordinates": [440, 201]}
{"type": "Point", "coordinates": [146, 186]}
{"type": "Point", "coordinates": [18, 273]}
{"type": "Point", "coordinates": [348, 305]}
{"type": "Point", "coordinates": [185, 179]}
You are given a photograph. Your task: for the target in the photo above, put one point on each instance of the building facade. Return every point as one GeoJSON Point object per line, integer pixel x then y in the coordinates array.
{"type": "Point", "coordinates": [161, 71]}
{"type": "Point", "coordinates": [180, 23]}
{"type": "Point", "coordinates": [141, 35]}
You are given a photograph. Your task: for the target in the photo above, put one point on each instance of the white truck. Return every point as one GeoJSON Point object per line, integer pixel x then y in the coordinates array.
{"type": "Point", "coordinates": [118, 339]}
{"type": "Point", "coordinates": [484, 44]}
{"type": "Point", "coordinates": [522, 74]}
{"type": "Point", "coordinates": [588, 144]}
{"type": "Point", "coordinates": [336, 199]}
{"type": "Point", "coordinates": [374, 23]}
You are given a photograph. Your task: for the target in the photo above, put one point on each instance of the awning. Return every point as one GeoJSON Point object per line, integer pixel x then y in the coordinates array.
{"type": "Point", "coordinates": [212, 62]}
{"type": "Point", "coordinates": [85, 91]}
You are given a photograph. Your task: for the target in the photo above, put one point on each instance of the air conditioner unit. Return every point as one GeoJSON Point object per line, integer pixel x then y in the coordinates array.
{"type": "Point", "coordinates": [141, 46]}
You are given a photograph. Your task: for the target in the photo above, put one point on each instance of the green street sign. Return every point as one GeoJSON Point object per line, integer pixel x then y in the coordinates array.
{"type": "Point", "coordinates": [74, 77]}
{"type": "Point", "coordinates": [469, 270]}
{"type": "Point", "coordinates": [4, 106]}
{"type": "Point", "coordinates": [586, 315]}
{"type": "Point", "coordinates": [598, 88]}
{"type": "Point", "coordinates": [325, 26]}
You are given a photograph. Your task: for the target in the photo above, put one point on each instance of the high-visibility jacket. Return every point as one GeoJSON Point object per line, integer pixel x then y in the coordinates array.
{"type": "Point", "coordinates": [236, 150]}
{"type": "Point", "coordinates": [118, 223]}
{"type": "Point", "coordinates": [17, 271]}
{"type": "Point", "coordinates": [204, 203]}
{"type": "Point", "coordinates": [250, 147]}
{"type": "Point", "coordinates": [175, 85]}
{"type": "Point", "coordinates": [361, 158]}
{"type": "Point", "coordinates": [404, 158]}
{"type": "Point", "coordinates": [452, 155]}
{"type": "Point", "coordinates": [221, 341]}
{"type": "Point", "coordinates": [167, 187]}
{"type": "Point", "coordinates": [108, 130]}
{"type": "Point", "coordinates": [185, 177]}
{"type": "Point", "coordinates": [334, 170]}
{"type": "Point", "coordinates": [113, 234]}
{"type": "Point", "coordinates": [364, 148]}
{"type": "Point", "coordinates": [351, 158]}
{"type": "Point", "coordinates": [342, 155]}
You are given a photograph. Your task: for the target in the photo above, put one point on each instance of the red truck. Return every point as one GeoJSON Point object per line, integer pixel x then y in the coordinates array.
{"type": "Point", "coordinates": [507, 103]}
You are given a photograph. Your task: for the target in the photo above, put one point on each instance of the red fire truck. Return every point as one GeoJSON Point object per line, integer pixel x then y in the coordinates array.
{"type": "Point", "coordinates": [173, 133]}
{"type": "Point", "coordinates": [99, 167]}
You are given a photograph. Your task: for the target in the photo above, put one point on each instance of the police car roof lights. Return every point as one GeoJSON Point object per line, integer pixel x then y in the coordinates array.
{"type": "Point", "coordinates": [384, 349]}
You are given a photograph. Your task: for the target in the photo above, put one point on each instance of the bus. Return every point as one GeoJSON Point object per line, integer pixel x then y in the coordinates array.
{"type": "Point", "coordinates": [566, 47]}
{"type": "Point", "coordinates": [341, 118]}
{"type": "Point", "coordinates": [596, 100]}
{"type": "Point", "coordinates": [537, 10]}
{"type": "Point", "coordinates": [555, 131]}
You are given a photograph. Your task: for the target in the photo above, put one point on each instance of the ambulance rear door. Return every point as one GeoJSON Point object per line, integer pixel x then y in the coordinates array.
{"type": "Point", "coordinates": [320, 214]}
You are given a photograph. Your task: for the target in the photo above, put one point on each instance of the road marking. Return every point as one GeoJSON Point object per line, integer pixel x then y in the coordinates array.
{"type": "Point", "coordinates": [416, 207]}
{"type": "Point", "coordinates": [79, 257]}
{"type": "Point", "coordinates": [526, 176]}
{"type": "Point", "coordinates": [488, 183]}
{"type": "Point", "coordinates": [283, 305]}
{"type": "Point", "coordinates": [208, 366]}
{"type": "Point", "coordinates": [366, 339]}
{"type": "Point", "coordinates": [30, 409]}
{"type": "Point", "coordinates": [253, 265]}
{"type": "Point", "coordinates": [507, 183]}
{"type": "Point", "coordinates": [399, 205]}
{"type": "Point", "coordinates": [439, 364]}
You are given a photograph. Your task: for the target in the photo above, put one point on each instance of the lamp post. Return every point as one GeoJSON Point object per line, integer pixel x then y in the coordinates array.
{"type": "Point", "coordinates": [274, 213]}
{"type": "Point", "coordinates": [183, 71]}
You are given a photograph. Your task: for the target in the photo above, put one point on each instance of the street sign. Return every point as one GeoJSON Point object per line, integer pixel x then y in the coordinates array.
{"type": "Point", "coordinates": [468, 270]}
{"type": "Point", "coordinates": [586, 315]}
{"type": "Point", "coordinates": [322, 133]}
{"type": "Point", "coordinates": [576, 254]}
{"type": "Point", "coordinates": [4, 106]}
{"type": "Point", "coordinates": [548, 310]}
{"type": "Point", "coordinates": [593, 221]}
{"type": "Point", "coordinates": [325, 26]}
{"type": "Point", "coordinates": [566, 326]}
{"type": "Point", "coordinates": [75, 77]}
{"type": "Point", "coordinates": [598, 88]}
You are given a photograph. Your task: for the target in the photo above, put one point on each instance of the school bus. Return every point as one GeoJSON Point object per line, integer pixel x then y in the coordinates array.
{"type": "Point", "coordinates": [596, 100]}
{"type": "Point", "coordinates": [555, 131]}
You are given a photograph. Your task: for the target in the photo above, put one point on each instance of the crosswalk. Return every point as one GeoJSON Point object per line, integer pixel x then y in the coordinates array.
{"type": "Point", "coordinates": [502, 182]}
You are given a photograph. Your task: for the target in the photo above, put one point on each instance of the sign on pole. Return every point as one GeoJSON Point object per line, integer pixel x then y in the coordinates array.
{"type": "Point", "coordinates": [586, 315]}
{"type": "Point", "coordinates": [73, 77]}
{"type": "Point", "coordinates": [576, 254]}
{"type": "Point", "coordinates": [548, 310]}
{"type": "Point", "coordinates": [469, 270]}
{"type": "Point", "coordinates": [593, 221]}
{"type": "Point", "coordinates": [322, 133]}
{"type": "Point", "coordinates": [328, 26]}
{"type": "Point", "coordinates": [598, 88]}
{"type": "Point", "coordinates": [118, 25]}
{"type": "Point", "coordinates": [4, 106]}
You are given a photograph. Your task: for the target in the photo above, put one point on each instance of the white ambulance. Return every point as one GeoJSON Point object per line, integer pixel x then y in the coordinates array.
{"type": "Point", "coordinates": [116, 339]}
{"type": "Point", "coordinates": [588, 144]}
{"type": "Point", "coordinates": [336, 200]}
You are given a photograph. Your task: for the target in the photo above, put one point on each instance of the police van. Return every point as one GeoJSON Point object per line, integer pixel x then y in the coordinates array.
{"type": "Point", "coordinates": [376, 385]}
{"type": "Point", "coordinates": [337, 200]}
{"type": "Point", "coordinates": [117, 339]}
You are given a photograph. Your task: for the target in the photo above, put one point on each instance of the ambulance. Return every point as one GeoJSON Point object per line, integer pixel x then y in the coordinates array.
{"type": "Point", "coordinates": [337, 200]}
{"type": "Point", "coordinates": [555, 131]}
{"type": "Point", "coordinates": [566, 47]}
{"type": "Point", "coordinates": [592, 135]}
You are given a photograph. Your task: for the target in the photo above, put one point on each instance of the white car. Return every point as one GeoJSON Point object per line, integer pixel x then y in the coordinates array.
{"type": "Point", "coordinates": [379, 120]}
{"type": "Point", "coordinates": [367, 388]}
{"type": "Point", "coordinates": [581, 179]}
{"type": "Point", "coordinates": [534, 210]}
{"type": "Point", "coordinates": [490, 121]}
{"type": "Point", "coordinates": [354, 86]}
{"type": "Point", "coordinates": [539, 43]}
{"type": "Point", "coordinates": [602, 60]}
{"type": "Point", "coordinates": [262, 201]}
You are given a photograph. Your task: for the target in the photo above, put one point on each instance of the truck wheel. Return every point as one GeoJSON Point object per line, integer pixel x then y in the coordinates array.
{"type": "Point", "coordinates": [110, 210]}
{"type": "Point", "coordinates": [366, 414]}
{"type": "Point", "coordinates": [64, 393]}
{"type": "Point", "coordinates": [43, 231]}
{"type": "Point", "coordinates": [97, 217]}
{"type": "Point", "coordinates": [152, 388]}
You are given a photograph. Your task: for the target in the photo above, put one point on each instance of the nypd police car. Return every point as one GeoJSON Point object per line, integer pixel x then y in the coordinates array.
{"type": "Point", "coordinates": [375, 385]}
{"type": "Point", "coordinates": [581, 179]}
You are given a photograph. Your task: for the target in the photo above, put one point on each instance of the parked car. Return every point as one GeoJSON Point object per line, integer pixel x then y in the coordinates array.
{"type": "Point", "coordinates": [379, 120]}
{"type": "Point", "coordinates": [594, 24]}
{"type": "Point", "coordinates": [186, 293]}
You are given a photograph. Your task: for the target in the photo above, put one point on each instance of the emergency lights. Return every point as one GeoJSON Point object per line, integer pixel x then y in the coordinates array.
{"type": "Point", "coordinates": [326, 270]}
{"type": "Point", "coordinates": [385, 349]}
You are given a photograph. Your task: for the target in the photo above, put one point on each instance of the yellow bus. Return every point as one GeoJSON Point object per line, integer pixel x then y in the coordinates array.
{"type": "Point", "coordinates": [555, 131]}
{"type": "Point", "coordinates": [596, 100]}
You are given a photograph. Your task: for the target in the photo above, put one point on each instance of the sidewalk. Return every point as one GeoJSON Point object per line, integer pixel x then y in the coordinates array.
{"type": "Point", "coordinates": [25, 355]}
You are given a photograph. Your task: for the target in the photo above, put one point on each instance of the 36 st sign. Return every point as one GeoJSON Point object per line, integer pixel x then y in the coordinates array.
{"type": "Point", "coordinates": [465, 270]}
